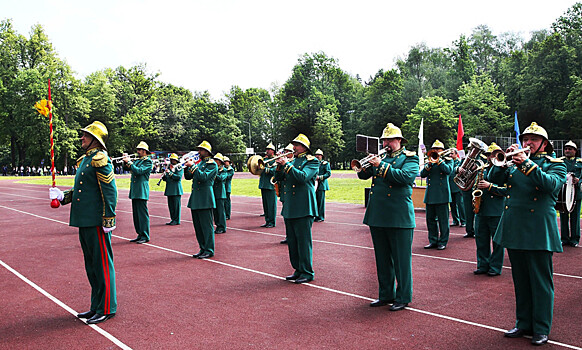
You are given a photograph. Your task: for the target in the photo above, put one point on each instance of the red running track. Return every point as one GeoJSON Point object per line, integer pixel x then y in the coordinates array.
{"type": "Point", "coordinates": [239, 300]}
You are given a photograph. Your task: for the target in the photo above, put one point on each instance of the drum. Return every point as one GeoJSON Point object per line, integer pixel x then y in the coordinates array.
{"type": "Point", "coordinates": [567, 196]}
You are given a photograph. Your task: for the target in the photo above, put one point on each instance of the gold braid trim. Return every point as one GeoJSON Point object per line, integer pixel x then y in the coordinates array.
{"type": "Point", "coordinates": [105, 178]}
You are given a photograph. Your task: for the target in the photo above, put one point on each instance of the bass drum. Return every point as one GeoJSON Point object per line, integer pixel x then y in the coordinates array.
{"type": "Point", "coordinates": [567, 196]}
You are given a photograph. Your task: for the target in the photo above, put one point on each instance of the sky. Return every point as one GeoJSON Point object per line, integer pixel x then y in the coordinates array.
{"type": "Point", "coordinates": [213, 45]}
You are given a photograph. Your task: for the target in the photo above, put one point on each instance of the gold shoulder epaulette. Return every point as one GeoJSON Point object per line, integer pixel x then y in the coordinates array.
{"type": "Point", "coordinates": [579, 160]}
{"type": "Point", "coordinates": [309, 157]}
{"type": "Point", "coordinates": [562, 157]}
{"type": "Point", "coordinates": [410, 153]}
{"type": "Point", "coordinates": [79, 160]}
{"type": "Point", "coordinates": [324, 162]}
{"type": "Point", "coordinates": [210, 161]}
{"type": "Point", "coordinates": [99, 160]}
{"type": "Point", "coordinates": [554, 160]}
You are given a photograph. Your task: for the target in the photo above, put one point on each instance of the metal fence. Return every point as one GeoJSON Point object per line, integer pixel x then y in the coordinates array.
{"type": "Point", "coordinates": [504, 142]}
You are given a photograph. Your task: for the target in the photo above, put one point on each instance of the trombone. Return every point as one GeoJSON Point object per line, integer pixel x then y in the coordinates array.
{"type": "Point", "coordinates": [434, 157]}
{"type": "Point", "coordinates": [505, 159]}
{"type": "Point", "coordinates": [134, 156]}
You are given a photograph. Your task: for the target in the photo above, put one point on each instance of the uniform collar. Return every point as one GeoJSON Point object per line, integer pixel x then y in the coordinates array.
{"type": "Point", "coordinates": [396, 153]}
{"type": "Point", "coordinates": [301, 155]}
{"type": "Point", "coordinates": [539, 155]}
{"type": "Point", "coordinates": [206, 158]}
{"type": "Point", "coordinates": [92, 151]}
{"type": "Point", "coordinates": [570, 158]}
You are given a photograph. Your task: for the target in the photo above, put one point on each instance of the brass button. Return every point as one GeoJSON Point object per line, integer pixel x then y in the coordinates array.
{"type": "Point", "coordinates": [80, 182]}
{"type": "Point", "coordinates": [87, 165]}
{"type": "Point", "coordinates": [509, 186]}
{"type": "Point", "coordinates": [508, 196]}
{"type": "Point", "coordinates": [506, 207]}
{"type": "Point", "coordinates": [390, 186]}
{"type": "Point", "coordinates": [511, 175]}
{"type": "Point", "coordinates": [532, 210]}
{"type": "Point", "coordinates": [293, 185]}
{"type": "Point", "coordinates": [491, 197]}
{"type": "Point", "coordinates": [388, 194]}
{"type": "Point", "coordinates": [79, 191]}
{"type": "Point", "coordinates": [82, 173]}
{"type": "Point", "coordinates": [371, 192]}
{"type": "Point", "coordinates": [535, 199]}
{"type": "Point", "coordinates": [78, 199]}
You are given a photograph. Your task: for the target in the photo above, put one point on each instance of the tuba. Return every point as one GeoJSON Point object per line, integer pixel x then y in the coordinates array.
{"type": "Point", "coordinates": [470, 167]}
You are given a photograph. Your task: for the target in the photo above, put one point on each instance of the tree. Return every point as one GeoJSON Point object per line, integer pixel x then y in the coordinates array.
{"type": "Point", "coordinates": [572, 113]}
{"type": "Point", "coordinates": [328, 133]}
{"type": "Point", "coordinates": [439, 122]}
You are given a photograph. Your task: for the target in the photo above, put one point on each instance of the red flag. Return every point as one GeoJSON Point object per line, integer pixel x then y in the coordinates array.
{"type": "Point", "coordinates": [460, 134]}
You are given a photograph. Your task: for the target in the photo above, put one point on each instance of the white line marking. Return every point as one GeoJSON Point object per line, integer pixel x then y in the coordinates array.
{"type": "Point", "coordinates": [61, 304]}
{"type": "Point", "coordinates": [454, 319]}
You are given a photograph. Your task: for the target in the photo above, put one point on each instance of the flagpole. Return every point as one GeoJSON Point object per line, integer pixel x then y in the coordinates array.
{"type": "Point", "coordinates": [55, 202]}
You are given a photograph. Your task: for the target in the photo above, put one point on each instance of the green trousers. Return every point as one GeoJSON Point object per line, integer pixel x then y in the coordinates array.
{"type": "Point", "coordinates": [175, 206]}
{"type": "Point", "coordinates": [457, 208]}
{"type": "Point", "coordinates": [98, 256]}
{"type": "Point", "coordinates": [141, 218]}
{"type": "Point", "coordinates": [570, 225]}
{"type": "Point", "coordinates": [220, 215]}
{"type": "Point", "coordinates": [204, 229]}
{"type": "Point", "coordinates": [534, 289]}
{"type": "Point", "coordinates": [298, 233]}
{"type": "Point", "coordinates": [440, 213]}
{"type": "Point", "coordinates": [227, 206]}
{"type": "Point", "coordinates": [393, 250]}
{"type": "Point", "coordinates": [320, 197]}
{"type": "Point", "coordinates": [269, 205]}
{"type": "Point", "coordinates": [469, 213]}
{"type": "Point", "coordinates": [488, 260]}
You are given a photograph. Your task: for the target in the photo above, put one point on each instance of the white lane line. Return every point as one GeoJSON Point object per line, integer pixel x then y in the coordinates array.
{"type": "Point", "coordinates": [60, 303]}
{"type": "Point", "coordinates": [311, 285]}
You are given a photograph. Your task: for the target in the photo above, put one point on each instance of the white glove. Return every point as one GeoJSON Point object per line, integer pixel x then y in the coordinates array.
{"type": "Point", "coordinates": [55, 193]}
{"type": "Point", "coordinates": [108, 229]}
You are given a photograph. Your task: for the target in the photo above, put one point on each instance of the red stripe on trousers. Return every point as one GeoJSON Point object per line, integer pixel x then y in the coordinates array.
{"type": "Point", "coordinates": [105, 264]}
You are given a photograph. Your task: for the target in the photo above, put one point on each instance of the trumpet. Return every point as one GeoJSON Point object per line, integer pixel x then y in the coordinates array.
{"type": "Point", "coordinates": [505, 159]}
{"type": "Point", "coordinates": [365, 162]}
{"type": "Point", "coordinates": [434, 157]}
{"type": "Point", "coordinates": [256, 164]}
{"type": "Point", "coordinates": [134, 156]}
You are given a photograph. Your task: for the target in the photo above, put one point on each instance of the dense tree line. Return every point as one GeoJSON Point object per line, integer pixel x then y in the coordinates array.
{"type": "Point", "coordinates": [483, 77]}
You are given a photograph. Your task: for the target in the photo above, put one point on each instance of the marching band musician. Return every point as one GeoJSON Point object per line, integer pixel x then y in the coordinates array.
{"type": "Point", "coordinates": [219, 190]}
{"type": "Point", "coordinates": [281, 183]}
{"type": "Point", "coordinates": [173, 178]}
{"type": "Point", "coordinates": [457, 207]}
{"type": "Point", "coordinates": [437, 198]}
{"type": "Point", "coordinates": [268, 190]}
{"type": "Point", "coordinates": [322, 176]}
{"type": "Point", "coordinates": [139, 191]}
{"type": "Point", "coordinates": [570, 222]}
{"type": "Point", "coordinates": [202, 200]}
{"type": "Point", "coordinates": [93, 200]}
{"type": "Point", "coordinates": [390, 216]}
{"type": "Point", "coordinates": [299, 206]}
{"type": "Point", "coordinates": [228, 186]}
{"type": "Point", "coordinates": [487, 218]}
{"type": "Point", "coordinates": [528, 230]}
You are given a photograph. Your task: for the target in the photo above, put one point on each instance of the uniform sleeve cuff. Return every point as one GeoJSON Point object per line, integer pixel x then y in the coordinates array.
{"type": "Point", "coordinates": [527, 167]}
{"type": "Point", "coordinates": [109, 222]}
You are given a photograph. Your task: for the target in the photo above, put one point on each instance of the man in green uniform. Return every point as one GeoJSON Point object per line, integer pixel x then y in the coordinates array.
{"type": "Point", "coordinates": [173, 177]}
{"type": "Point", "coordinates": [390, 215]}
{"type": "Point", "coordinates": [93, 199]}
{"type": "Point", "coordinates": [281, 183]}
{"type": "Point", "coordinates": [139, 191]}
{"type": "Point", "coordinates": [202, 200]}
{"type": "Point", "coordinates": [268, 189]}
{"type": "Point", "coordinates": [299, 206]}
{"type": "Point", "coordinates": [487, 218]}
{"type": "Point", "coordinates": [457, 207]}
{"type": "Point", "coordinates": [570, 222]}
{"type": "Point", "coordinates": [219, 190]}
{"type": "Point", "coordinates": [228, 186]}
{"type": "Point", "coordinates": [437, 198]}
{"type": "Point", "coordinates": [322, 185]}
{"type": "Point", "coordinates": [529, 231]}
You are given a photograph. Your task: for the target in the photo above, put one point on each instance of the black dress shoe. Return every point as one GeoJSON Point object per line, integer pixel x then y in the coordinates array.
{"type": "Point", "coordinates": [378, 302]}
{"type": "Point", "coordinates": [87, 314]}
{"type": "Point", "coordinates": [515, 333]}
{"type": "Point", "coordinates": [170, 223]}
{"type": "Point", "coordinates": [198, 254]}
{"type": "Point", "coordinates": [262, 215]}
{"type": "Point", "coordinates": [292, 277]}
{"type": "Point", "coordinates": [442, 247]}
{"type": "Point", "coordinates": [134, 240]}
{"type": "Point", "coordinates": [479, 272]}
{"type": "Point", "coordinates": [269, 226]}
{"type": "Point", "coordinates": [463, 225]}
{"type": "Point", "coordinates": [141, 241]}
{"type": "Point", "coordinates": [539, 339]}
{"type": "Point", "coordinates": [302, 280]}
{"type": "Point", "coordinates": [455, 224]}
{"type": "Point", "coordinates": [469, 235]}
{"type": "Point", "coordinates": [430, 246]}
{"type": "Point", "coordinates": [264, 225]}
{"type": "Point", "coordinates": [284, 241]}
{"type": "Point", "coordinates": [98, 318]}
{"type": "Point", "coordinates": [398, 306]}
{"type": "Point", "coordinates": [493, 273]}
{"type": "Point", "coordinates": [219, 231]}
{"type": "Point", "coordinates": [205, 256]}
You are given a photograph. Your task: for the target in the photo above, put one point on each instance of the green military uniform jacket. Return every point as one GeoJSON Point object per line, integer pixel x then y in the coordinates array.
{"type": "Point", "coordinates": [322, 176]}
{"type": "Point", "coordinates": [574, 166]}
{"type": "Point", "coordinates": [218, 186]}
{"type": "Point", "coordinates": [437, 182]}
{"type": "Point", "coordinates": [298, 195]}
{"type": "Point", "coordinates": [230, 175]}
{"type": "Point", "coordinates": [453, 186]}
{"type": "Point", "coordinates": [390, 203]}
{"type": "Point", "coordinates": [266, 175]}
{"type": "Point", "coordinates": [140, 178]}
{"type": "Point", "coordinates": [493, 198]}
{"type": "Point", "coordinates": [202, 176]}
{"type": "Point", "coordinates": [174, 181]}
{"type": "Point", "coordinates": [529, 220]}
{"type": "Point", "coordinates": [94, 196]}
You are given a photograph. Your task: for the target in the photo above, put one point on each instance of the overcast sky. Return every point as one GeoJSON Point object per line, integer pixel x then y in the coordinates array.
{"type": "Point", "coordinates": [212, 45]}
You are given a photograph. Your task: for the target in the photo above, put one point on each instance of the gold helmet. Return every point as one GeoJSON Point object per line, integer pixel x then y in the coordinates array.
{"type": "Point", "coordinates": [391, 132]}
{"type": "Point", "coordinates": [219, 156]}
{"type": "Point", "coordinates": [535, 129]}
{"type": "Point", "coordinates": [319, 152]}
{"type": "Point", "coordinates": [174, 156]}
{"type": "Point", "coordinates": [438, 144]}
{"type": "Point", "coordinates": [302, 139]}
{"type": "Point", "coordinates": [205, 145]}
{"type": "Point", "coordinates": [144, 146]}
{"type": "Point", "coordinates": [493, 147]}
{"type": "Point", "coordinates": [226, 159]}
{"type": "Point", "coordinates": [571, 144]}
{"type": "Point", "coordinates": [271, 146]}
{"type": "Point", "coordinates": [289, 147]}
{"type": "Point", "coordinates": [98, 131]}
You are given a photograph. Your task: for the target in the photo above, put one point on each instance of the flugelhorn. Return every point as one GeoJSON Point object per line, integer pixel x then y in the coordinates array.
{"type": "Point", "coordinates": [433, 156]}
{"type": "Point", "coordinates": [505, 159]}
{"type": "Point", "coordinates": [365, 162]}
{"type": "Point", "coordinates": [134, 156]}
